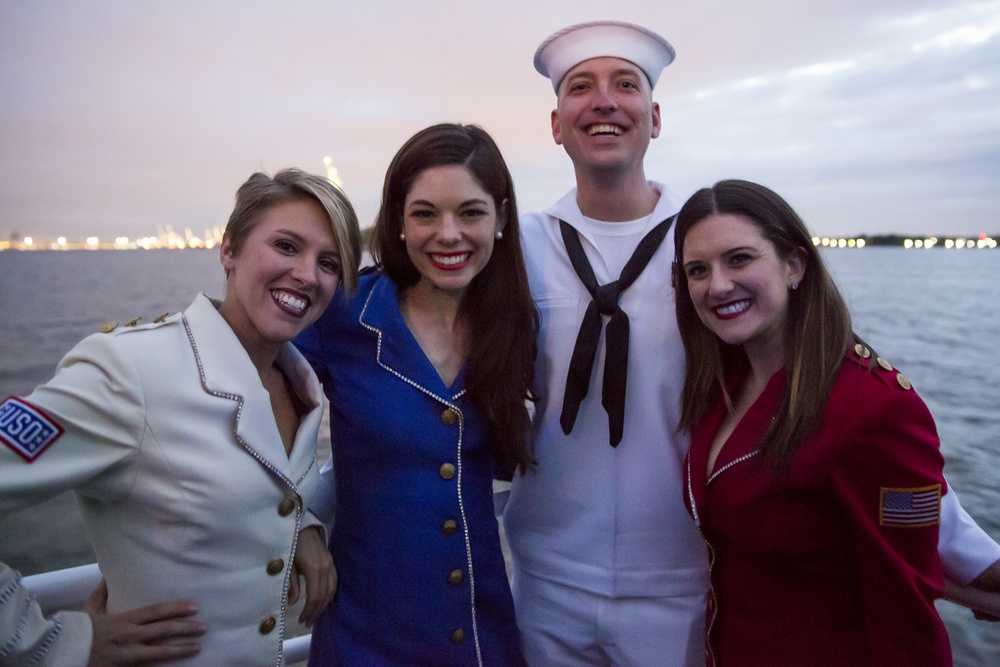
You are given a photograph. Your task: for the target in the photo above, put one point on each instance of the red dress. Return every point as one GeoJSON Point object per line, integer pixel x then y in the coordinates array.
{"type": "Point", "coordinates": [837, 562]}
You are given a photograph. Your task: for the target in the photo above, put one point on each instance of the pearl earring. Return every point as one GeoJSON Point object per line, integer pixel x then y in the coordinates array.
{"type": "Point", "coordinates": [402, 236]}
{"type": "Point", "coordinates": [795, 286]}
{"type": "Point", "coordinates": [499, 235]}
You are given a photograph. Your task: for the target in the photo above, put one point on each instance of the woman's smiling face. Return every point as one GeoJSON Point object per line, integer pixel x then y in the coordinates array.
{"type": "Point", "coordinates": [282, 277]}
{"type": "Point", "coordinates": [449, 223]}
{"type": "Point", "coordinates": [738, 283]}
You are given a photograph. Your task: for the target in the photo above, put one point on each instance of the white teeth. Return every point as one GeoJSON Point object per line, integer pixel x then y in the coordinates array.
{"type": "Point", "coordinates": [450, 260]}
{"type": "Point", "coordinates": [290, 301]}
{"type": "Point", "coordinates": [733, 308]}
{"type": "Point", "coordinates": [604, 129]}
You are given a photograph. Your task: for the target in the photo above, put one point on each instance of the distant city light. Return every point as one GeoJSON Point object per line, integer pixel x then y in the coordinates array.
{"type": "Point", "coordinates": [332, 174]}
{"type": "Point", "coordinates": [166, 238]}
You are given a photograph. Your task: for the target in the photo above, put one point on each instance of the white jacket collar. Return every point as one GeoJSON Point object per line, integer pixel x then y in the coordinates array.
{"type": "Point", "coordinates": [227, 372]}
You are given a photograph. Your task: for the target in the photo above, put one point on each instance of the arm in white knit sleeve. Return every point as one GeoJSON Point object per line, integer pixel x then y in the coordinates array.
{"type": "Point", "coordinates": [28, 638]}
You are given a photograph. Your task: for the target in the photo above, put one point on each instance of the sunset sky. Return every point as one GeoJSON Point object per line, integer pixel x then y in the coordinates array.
{"type": "Point", "coordinates": [870, 116]}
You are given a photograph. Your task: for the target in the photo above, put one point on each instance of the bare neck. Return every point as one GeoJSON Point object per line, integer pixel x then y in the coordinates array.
{"type": "Point", "coordinates": [428, 305]}
{"type": "Point", "coordinates": [615, 198]}
{"type": "Point", "coordinates": [435, 320]}
{"type": "Point", "coordinates": [765, 361]}
{"type": "Point", "coordinates": [263, 353]}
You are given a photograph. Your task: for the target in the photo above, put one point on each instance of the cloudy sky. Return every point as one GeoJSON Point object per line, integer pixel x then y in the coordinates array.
{"type": "Point", "coordinates": [870, 116]}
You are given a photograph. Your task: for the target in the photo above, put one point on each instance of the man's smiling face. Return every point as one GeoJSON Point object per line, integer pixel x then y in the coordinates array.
{"type": "Point", "coordinates": [605, 116]}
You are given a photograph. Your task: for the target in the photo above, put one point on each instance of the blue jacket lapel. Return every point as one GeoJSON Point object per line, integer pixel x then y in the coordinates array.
{"type": "Point", "coordinates": [398, 351]}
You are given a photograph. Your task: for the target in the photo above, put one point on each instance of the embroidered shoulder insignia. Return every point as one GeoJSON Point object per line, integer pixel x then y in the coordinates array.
{"type": "Point", "coordinates": [26, 429]}
{"type": "Point", "coordinates": [910, 508]}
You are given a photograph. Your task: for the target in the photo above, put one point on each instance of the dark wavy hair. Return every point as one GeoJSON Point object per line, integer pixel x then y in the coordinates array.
{"type": "Point", "coordinates": [503, 318]}
{"type": "Point", "coordinates": [818, 326]}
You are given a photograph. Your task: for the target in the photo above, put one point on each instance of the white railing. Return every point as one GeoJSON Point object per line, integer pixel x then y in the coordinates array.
{"type": "Point", "coordinates": [69, 588]}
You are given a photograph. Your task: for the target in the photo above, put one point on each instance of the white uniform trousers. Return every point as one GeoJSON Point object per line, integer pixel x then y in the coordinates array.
{"type": "Point", "coordinates": [570, 627]}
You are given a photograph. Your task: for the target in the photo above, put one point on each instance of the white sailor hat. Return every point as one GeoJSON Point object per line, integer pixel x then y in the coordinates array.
{"type": "Point", "coordinates": [567, 48]}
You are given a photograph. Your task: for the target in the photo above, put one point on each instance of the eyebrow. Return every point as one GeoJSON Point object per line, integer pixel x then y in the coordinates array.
{"type": "Point", "coordinates": [289, 232]}
{"type": "Point", "coordinates": [301, 239]}
{"type": "Point", "coordinates": [615, 73]}
{"type": "Point", "coordinates": [468, 202]}
{"type": "Point", "coordinates": [724, 253]}
{"type": "Point", "coordinates": [630, 71]}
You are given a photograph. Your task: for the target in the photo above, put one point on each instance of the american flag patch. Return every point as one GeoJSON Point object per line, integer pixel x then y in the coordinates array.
{"type": "Point", "coordinates": [910, 508]}
{"type": "Point", "coordinates": [26, 429]}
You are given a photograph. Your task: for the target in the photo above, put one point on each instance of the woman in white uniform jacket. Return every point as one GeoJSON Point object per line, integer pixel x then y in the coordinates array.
{"type": "Point", "coordinates": [191, 442]}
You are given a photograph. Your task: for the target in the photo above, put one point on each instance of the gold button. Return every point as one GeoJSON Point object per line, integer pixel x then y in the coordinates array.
{"type": "Point", "coordinates": [449, 417]}
{"type": "Point", "coordinates": [447, 471]}
{"type": "Point", "coordinates": [109, 326]}
{"type": "Point", "coordinates": [449, 527]}
{"type": "Point", "coordinates": [275, 566]}
{"type": "Point", "coordinates": [456, 577]}
{"type": "Point", "coordinates": [267, 625]}
{"type": "Point", "coordinates": [458, 636]}
{"type": "Point", "coordinates": [883, 363]}
{"type": "Point", "coordinates": [286, 507]}
{"type": "Point", "coordinates": [862, 351]}
{"type": "Point", "coordinates": [903, 382]}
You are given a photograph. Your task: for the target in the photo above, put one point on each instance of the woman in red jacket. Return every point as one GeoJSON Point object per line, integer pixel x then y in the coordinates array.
{"type": "Point", "coordinates": [814, 472]}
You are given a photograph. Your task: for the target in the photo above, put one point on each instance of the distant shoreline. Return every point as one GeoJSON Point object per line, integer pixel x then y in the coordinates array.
{"type": "Point", "coordinates": [973, 242]}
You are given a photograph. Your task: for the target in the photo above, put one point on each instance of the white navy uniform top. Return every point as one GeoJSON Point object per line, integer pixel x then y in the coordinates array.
{"type": "Point", "coordinates": [611, 520]}
{"type": "Point", "coordinates": [181, 474]}
{"type": "Point", "coordinates": [606, 520]}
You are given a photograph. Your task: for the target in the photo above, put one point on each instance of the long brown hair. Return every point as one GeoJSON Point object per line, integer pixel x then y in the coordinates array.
{"type": "Point", "coordinates": [498, 303]}
{"type": "Point", "coordinates": [818, 326]}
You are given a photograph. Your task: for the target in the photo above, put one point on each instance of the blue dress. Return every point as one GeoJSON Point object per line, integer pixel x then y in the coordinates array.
{"type": "Point", "coordinates": [421, 577]}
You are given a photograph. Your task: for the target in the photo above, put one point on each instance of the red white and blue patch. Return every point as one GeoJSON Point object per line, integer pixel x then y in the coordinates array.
{"type": "Point", "coordinates": [26, 429]}
{"type": "Point", "coordinates": [910, 508]}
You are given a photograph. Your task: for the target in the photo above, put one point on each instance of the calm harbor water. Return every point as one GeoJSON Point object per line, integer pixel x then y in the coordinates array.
{"type": "Point", "coordinates": [932, 314]}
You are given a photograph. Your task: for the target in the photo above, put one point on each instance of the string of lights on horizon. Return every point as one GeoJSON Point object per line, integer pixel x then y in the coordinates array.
{"type": "Point", "coordinates": [168, 239]}
{"type": "Point", "coordinates": [165, 239]}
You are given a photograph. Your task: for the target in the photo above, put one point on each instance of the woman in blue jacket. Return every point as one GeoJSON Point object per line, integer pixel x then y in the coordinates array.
{"type": "Point", "coordinates": [427, 368]}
